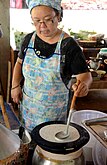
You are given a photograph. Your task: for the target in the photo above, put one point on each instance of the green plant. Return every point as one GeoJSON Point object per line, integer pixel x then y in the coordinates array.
{"type": "Point", "coordinates": [18, 38]}
{"type": "Point", "coordinates": [82, 34]}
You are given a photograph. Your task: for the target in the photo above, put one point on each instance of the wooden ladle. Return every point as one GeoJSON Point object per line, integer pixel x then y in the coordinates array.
{"type": "Point", "coordinates": [4, 113]}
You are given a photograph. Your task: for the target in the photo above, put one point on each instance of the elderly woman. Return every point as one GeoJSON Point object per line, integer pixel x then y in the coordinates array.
{"type": "Point", "coordinates": [47, 60]}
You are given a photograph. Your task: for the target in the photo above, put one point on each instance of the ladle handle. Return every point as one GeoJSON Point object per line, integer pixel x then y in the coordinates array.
{"type": "Point", "coordinates": [74, 97]}
{"type": "Point", "coordinates": [71, 108]}
{"type": "Point", "coordinates": [5, 116]}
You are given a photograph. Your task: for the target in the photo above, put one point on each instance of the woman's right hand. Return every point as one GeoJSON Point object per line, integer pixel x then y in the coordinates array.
{"type": "Point", "coordinates": [16, 94]}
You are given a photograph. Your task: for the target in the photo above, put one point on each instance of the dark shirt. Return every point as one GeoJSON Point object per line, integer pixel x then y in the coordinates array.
{"type": "Point", "coordinates": [74, 62]}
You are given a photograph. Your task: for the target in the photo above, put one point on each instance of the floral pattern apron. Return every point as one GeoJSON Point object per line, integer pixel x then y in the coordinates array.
{"type": "Point", "coordinates": [45, 96]}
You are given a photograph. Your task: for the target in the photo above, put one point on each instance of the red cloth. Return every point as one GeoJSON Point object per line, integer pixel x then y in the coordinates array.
{"type": "Point", "coordinates": [16, 4]}
{"type": "Point", "coordinates": [19, 4]}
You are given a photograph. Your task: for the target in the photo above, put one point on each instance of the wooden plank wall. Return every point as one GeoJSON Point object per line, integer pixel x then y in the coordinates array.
{"type": "Point", "coordinates": [4, 43]}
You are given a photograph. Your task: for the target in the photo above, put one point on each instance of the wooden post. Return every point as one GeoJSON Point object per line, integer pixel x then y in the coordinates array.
{"type": "Point", "coordinates": [4, 113]}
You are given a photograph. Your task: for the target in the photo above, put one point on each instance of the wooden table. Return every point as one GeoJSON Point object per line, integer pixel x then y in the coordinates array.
{"type": "Point", "coordinates": [99, 84]}
{"type": "Point", "coordinates": [96, 98]}
{"type": "Point", "coordinates": [90, 52]}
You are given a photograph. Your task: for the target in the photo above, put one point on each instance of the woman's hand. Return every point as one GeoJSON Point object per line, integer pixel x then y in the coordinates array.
{"type": "Point", "coordinates": [16, 94]}
{"type": "Point", "coordinates": [81, 89]}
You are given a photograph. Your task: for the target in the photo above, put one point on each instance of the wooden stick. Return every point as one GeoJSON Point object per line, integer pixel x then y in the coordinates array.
{"type": "Point", "coordinates": [4, 113]}
{"type": "Point", "coordinates": [8, 82]}
{"type": "Point", "coordinates": [74, 98]}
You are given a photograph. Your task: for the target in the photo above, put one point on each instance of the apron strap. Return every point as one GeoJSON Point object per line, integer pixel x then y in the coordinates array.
{"type": "Point", "coordinates": [57, 50]}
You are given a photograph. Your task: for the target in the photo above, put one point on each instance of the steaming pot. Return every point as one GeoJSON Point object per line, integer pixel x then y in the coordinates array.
{"type": "Point", "coordinates": [53, 151]}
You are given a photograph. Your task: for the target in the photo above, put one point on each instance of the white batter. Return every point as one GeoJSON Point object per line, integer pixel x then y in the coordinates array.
{"type": "Point", "coordinates": [48, 133]}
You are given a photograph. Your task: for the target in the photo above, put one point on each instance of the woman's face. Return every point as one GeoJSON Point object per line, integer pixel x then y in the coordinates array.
{"type": "Point", "coordinates": [45, 20]}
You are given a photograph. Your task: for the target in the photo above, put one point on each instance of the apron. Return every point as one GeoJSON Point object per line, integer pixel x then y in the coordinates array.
{"type": "Point", "coordinates": [45, 96]}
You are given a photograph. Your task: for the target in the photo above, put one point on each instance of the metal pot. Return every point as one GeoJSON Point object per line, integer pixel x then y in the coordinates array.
{"type": "Point", "coordinates": [24, 148]}
{"type": "Point", "coordinates": [13, 150]}
{"type": "Point", "coordinates": [95, 62]}
{"type": "Point", "coordinates": [53, 151]}
{"type": "Point", "coordinates": [9, 146]}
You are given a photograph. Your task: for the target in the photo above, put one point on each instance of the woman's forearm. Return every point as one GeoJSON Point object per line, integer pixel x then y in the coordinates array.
{"type": "Point", "coordinates": [85, 77]}
{"type": "Point", "coordinates": [17, 74]}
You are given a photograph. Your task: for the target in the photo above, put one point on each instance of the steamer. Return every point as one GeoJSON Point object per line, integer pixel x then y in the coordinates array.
{"type": "Point", "coordinates": [53, 151]}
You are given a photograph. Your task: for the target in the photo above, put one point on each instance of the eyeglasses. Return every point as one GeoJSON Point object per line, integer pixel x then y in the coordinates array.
{"type": "Point", "coordinates": [47, 21]}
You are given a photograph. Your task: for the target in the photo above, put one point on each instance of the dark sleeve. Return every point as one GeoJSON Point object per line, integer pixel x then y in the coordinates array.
{"type": "Point", "coordinates": [24, 45]}
{"type": "Point", "coordinates": [75, 62]}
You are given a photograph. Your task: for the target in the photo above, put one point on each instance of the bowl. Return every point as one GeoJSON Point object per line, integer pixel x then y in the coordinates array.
{"type": "Point", "coordinates": [100, 73]}
{"type": "Point", "coordinates": [99, 154]}
{"type": "Point", "coordinates": [80, 116]}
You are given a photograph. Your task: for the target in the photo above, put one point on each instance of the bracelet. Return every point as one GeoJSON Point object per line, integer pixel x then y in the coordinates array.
{"type": "Point", "coordinates": [15, 87]}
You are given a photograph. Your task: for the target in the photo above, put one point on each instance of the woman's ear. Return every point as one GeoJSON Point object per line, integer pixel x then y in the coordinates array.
{"type": "Point", "coordinates": [59, 18]}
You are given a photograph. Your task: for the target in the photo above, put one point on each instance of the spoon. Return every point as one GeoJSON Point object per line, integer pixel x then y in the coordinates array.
{"type": "Point", "coordinates": [64, 134]}
{"type": "Point", "coordinates": [21, 131]}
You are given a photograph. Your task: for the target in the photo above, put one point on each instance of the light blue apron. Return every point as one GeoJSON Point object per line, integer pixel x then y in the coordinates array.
{"type": "Point", "coordinates": [45, 96]}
